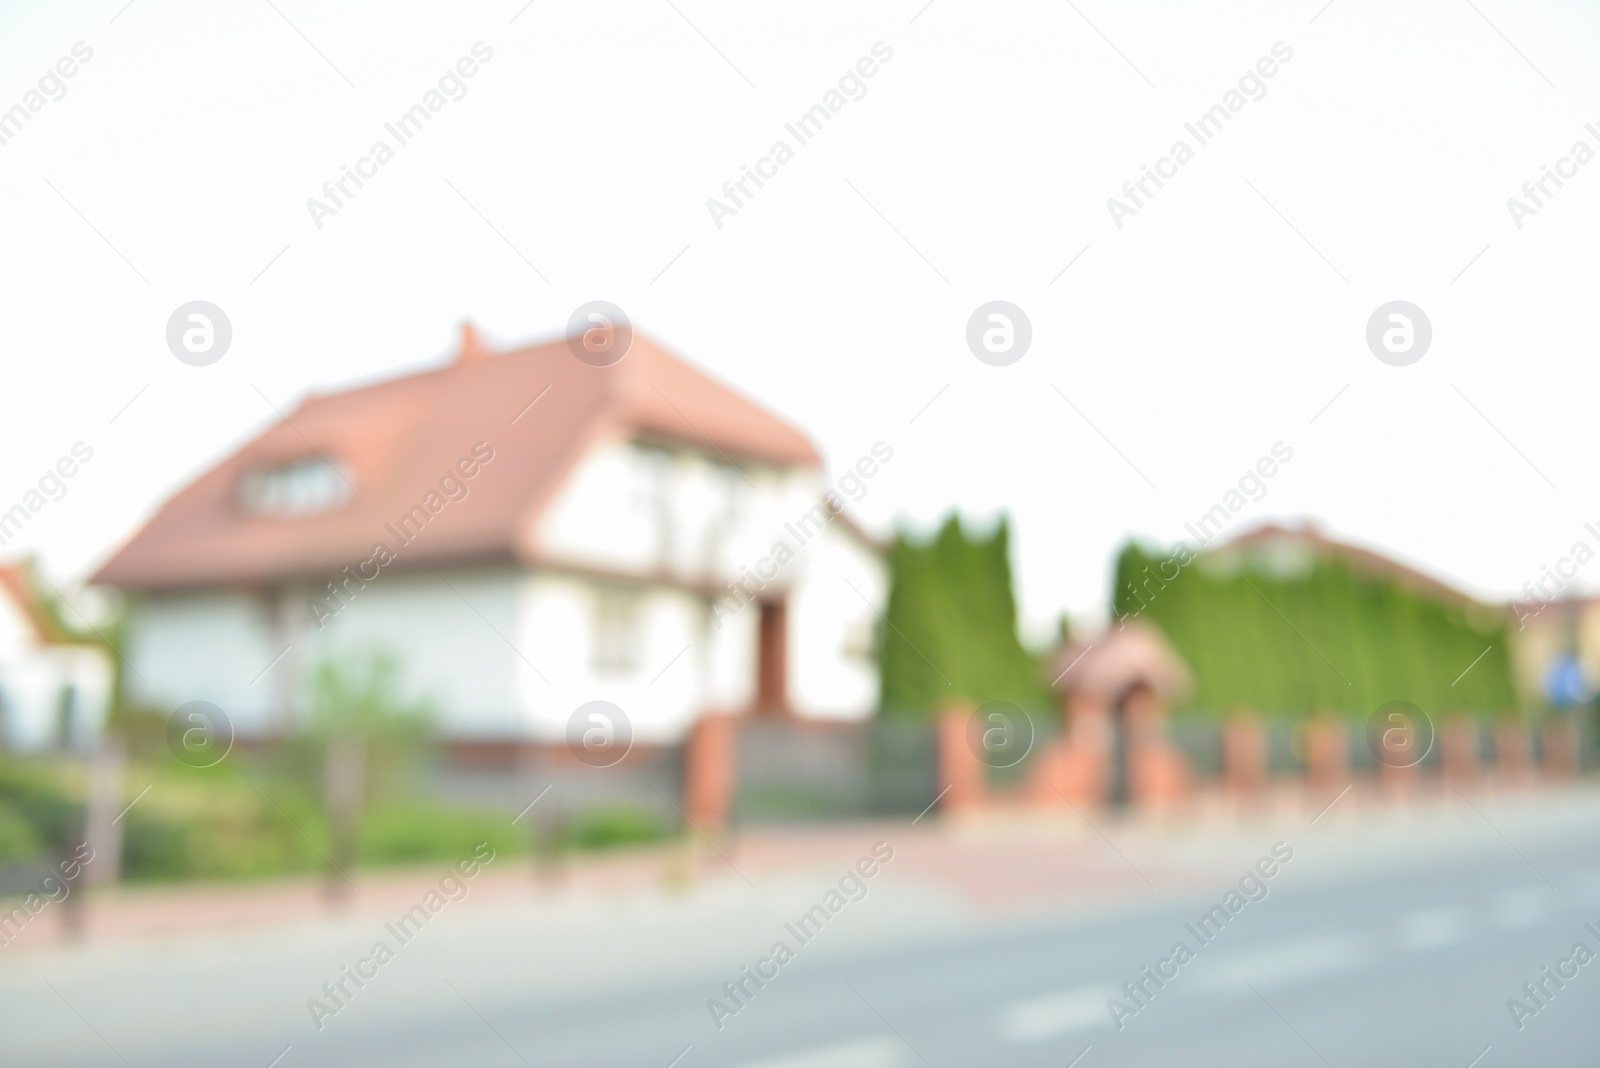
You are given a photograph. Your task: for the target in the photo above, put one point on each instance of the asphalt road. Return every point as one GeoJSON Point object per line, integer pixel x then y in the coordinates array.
{"type": "Point", "coordinates": [1403, 954]}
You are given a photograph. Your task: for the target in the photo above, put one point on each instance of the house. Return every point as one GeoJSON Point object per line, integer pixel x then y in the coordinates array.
{"type": "Point", "coordinates": [55, 687]}
{"type": "Point", "coordinates": [525, 533]}
{"type": "Point", "coordinates": [1555, 647]}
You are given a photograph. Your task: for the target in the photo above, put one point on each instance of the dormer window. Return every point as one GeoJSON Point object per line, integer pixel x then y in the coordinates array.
{"type": "Point", "coordinates": [302, 487]}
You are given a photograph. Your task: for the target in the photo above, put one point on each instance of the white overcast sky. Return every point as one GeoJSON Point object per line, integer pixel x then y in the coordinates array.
{"type": "Point", "coordinates": [1205, 330]}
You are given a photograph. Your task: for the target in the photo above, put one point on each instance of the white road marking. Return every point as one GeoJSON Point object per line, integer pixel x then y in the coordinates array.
{"type": "Point", "coordinates": [1047, 1015]}
{"type": "Point", "coordinates": [855, 1053]}
{"type": "Point", "coordinates": [1284, 963]}
{"type": "Point", "coordinates": [1432, 928]}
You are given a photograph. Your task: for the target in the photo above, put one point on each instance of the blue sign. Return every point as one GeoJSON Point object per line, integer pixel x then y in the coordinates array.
{"type": "Point", "coordinates": [1564, 685]}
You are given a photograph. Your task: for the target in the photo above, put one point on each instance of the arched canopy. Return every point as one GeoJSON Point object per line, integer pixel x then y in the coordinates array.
{"type": "Point", "coordinates": [1121, 658]}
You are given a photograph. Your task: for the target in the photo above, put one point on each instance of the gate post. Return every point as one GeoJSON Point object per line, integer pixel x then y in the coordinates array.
{"type": "Point", "coordinates": [959, 767]}
{"type": "Point", "coordinates": [1244, 753]}
{"type": "Point", "coordinates": [1513, 763]}
{"type": "Point", "coordinates": [1560, 748]}
{"type": "Point", "coordinates": [710, 772]}
{"type": "Point", "coordinates": [1458, 749]}
{"type": "Point", "coordinates": [1327, 752]}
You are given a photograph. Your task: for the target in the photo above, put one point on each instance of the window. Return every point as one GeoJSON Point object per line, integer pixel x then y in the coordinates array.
{"type": "Point", "coordinates": [298, 488]}
{"type": "Point", "coordinates": [616, 632]}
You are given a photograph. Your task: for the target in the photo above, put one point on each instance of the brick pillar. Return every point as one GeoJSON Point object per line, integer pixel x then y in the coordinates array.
{"type": "Point", "coordinates": [959, 767]}
{"type": "Point", "coordinates": [1071, 768]}
{"type": "Point", "coordinates": [1513, 764]}
{"type": "Point", "coordinates": [1327, 752]}
{"type": "Point", "coordinates": [1158, 772]}
{"type": "Point", "coordinates": [1560, 748]}
{"type": "Point", "coordinates": [1244, 753]}
{"type": "Point", "coordinates": [1399, 781]}
{"type": "Point", "coordinates": [1160, 776]}
{"type": "Point", "coordinates": [1458, 749]}
{"type": "Point", "coordinates": [710, 772]}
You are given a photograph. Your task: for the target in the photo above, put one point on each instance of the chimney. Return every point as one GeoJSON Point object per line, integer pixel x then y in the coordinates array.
{"type": "Point", "coordinates": [472, 349]}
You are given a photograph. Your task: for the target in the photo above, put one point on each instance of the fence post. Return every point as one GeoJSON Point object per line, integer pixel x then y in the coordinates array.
{"type": "Point", "coordinates": [959, 767]}
{"type": "Point", "coordinates": [1327, 752]}
{"type": "Point", "coordinates": [1244, 753]}
{"type": "Point", "coordinates": [1458, 749]}
{"type": "Point", "coordinates": [1399, 780]}
{"type": "Point", "coordinates": [1513, 764]}
{"type": "Point", "coordinates": [710, 773]}
{"type": "Point", "coordinates": [1158, 772]}
{"type": "Point", "coordinates": [1560, 748]}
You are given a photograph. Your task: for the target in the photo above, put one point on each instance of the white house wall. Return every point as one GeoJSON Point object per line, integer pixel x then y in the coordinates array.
{"type": "Point", "coordinates": [32, 687]}
{"type": "Point", "coordinates": [202, 647]}
{"type": "Point", "coordinates": [30, 691]}
{"type": "Point", "coordinates": [661, 696]}
{"type": "Point", "coordinates": [604, 516]}
{"type": "Point", "coordinates": [449, 630]}
{"type": "Point", "coordinates": [33, 678]}
{"type": "Point", "coordinates": [450, 633]}
{"type": "Point", "coordinates": [731, 651]}
{"type": "Point", "coordinates": [645, 511]}
{"type": "Point", "coordinates": [634, 509]}
{"type": "Point", "coordinates": [832, 622]}
{"type": "Point", "coordinates": [17, 637]}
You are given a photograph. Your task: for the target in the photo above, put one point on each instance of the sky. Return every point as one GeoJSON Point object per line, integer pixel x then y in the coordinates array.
{"type": "Point", "coordinates": [1176, 339]}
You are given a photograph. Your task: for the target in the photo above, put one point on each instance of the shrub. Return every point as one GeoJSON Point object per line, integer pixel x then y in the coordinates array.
{"type": "Point", "coordinates": [606, 826]}
{"type": "Point", "coordinates": [416, 831]}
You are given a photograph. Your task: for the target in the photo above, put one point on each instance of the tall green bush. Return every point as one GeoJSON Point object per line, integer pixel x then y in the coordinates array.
{"type": "Point", "coordinates": [952, 625]}
{"type": "Point", "coordinates": [1317, 635]}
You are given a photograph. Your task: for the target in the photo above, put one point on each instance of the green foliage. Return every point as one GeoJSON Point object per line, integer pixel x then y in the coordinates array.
{"type": "Point", "coordinates": [19, 838]}
{"type": "Point", "coordinates": [362, 698]}
{"type": "Point", "coordinates": [240, 819]}
{"type": "Point", "coordinates": [218, 823]}
{"type": "Point", "coordinates": [414, 831]}
{"type": "Point", "coordinates": [607, 826]}
{"type": "Point", "coordinates": [1315, 635]}
{"type": "Point", "coordinates": [952, 630]}
{"type": "Point", "coordinates": [46, 795]}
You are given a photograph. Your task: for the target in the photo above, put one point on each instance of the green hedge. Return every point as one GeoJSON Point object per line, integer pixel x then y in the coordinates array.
{"type": "Point", "coordinates": [952, 625]}
{"type": "Point", "coordinates": [416, 831]}
{"type": "Point", "coordinates": [1317, 635]}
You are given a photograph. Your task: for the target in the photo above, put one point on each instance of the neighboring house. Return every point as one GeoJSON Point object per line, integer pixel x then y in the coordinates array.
{"type": "Point", "coordinates": [526, 533]}
{"type": "Point", "coordinates": [55, 688]}
{"type": "Point", "coordinates": [1555, 648]}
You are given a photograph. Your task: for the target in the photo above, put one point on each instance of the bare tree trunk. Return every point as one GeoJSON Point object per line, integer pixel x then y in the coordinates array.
{"type": "Point", "coordinates": [73, 921]}
{"type": "Point", "coordinates": [344, 786]}
{"type": "Point", "coordinates": [103, 829]}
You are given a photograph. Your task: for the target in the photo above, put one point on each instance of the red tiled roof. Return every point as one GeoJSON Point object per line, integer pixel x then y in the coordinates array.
{"type": "Point", "coordinates": [396, 439]}
{"type": "Point", "coordinates": [17, 584]}
{"type": "Point", "coordinates": [1359, 559]}
{"type": "Point", "coordinates": [1107, 667]}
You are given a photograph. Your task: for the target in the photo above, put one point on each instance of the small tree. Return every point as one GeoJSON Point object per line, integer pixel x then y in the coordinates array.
{"type": "Point", "coordinates": [370, 737]}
